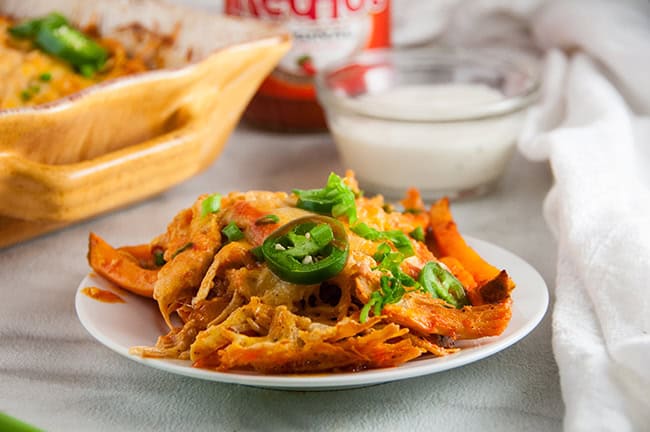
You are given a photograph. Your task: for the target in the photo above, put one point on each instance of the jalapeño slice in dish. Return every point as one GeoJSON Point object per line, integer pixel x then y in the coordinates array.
{"type": "Point", "coordinates": [55, 36]}
{"type": "Point", "coordinates": [439, 282]}
{"type": "Point", "coordinates": [307, 250]}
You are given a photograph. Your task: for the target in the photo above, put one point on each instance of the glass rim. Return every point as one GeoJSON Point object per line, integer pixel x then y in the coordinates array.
{"type": "Point", "coordinates": [432, 56]}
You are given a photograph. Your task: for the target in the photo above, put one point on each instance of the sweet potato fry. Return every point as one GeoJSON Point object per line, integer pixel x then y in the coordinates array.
{"type": "Point", "coordinates": [118, 268]}
{"type": "Point", "coordinates": [448, 241]}
{"type": "Point", "coordinates": [496, 290]}
{"type": "Point", "coordinates": [461, 273]}
{"type": "Point", "coordinates": [141, 253]}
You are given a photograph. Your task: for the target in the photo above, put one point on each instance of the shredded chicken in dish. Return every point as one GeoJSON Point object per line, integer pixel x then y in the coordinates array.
{"type": "Point", "coordinates": [318, 280]}
{"type": "Point", "coordinates": [30, 75]}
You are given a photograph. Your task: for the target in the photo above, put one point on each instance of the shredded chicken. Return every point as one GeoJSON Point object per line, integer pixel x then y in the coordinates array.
{"type": "Point", "coordinates": [22, 66]}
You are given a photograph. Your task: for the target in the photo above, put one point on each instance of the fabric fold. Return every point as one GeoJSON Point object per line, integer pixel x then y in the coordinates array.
{"type": "Point", "coordinates": [592, 125]}
{"type": "Point", "coordinates": [598, 210]}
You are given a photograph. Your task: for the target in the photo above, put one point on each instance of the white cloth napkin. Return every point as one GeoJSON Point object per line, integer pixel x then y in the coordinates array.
{"type": "Point", "coordinates": [593, 125]}
{"type": "Point", "coordinates": [599, 208]}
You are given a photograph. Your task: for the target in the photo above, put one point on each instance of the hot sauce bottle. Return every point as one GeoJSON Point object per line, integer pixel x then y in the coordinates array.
{"type": "Point", "coordinates": [324, 32]}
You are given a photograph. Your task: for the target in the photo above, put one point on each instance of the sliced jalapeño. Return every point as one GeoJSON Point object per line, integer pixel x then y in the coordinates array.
{"type": "Point", "coordinates": [307, 250]}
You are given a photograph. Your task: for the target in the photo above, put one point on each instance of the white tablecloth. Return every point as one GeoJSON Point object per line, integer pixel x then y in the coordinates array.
{"type": "Point", "coordinates": [54, 375]}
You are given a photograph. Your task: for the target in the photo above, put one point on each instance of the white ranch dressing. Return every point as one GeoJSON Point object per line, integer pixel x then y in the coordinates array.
{"type": "Point", "coordinates": [451, 158]}
{"type": "Point", "coordinates": [424, 100]}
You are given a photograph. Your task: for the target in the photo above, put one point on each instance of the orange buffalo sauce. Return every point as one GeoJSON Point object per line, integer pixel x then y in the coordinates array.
{"type": "Point", "coordinates": [324, 32]}
{"type": "Point", "coordinates": [102, 295]}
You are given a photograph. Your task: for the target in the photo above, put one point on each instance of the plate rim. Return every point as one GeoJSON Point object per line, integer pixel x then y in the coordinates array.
{"type": "Point", "coordinates": [342, 380]}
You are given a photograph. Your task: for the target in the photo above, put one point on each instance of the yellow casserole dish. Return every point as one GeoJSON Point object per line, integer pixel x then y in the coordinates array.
{"type": "Point", "coordinates": [130, 137]}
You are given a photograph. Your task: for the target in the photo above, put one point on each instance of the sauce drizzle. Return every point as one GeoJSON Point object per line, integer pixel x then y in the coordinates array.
{"type": "Point", "coordinates": [102, 295]}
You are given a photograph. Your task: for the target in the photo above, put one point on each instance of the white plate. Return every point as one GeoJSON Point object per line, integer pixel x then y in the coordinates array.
{"type": "Point", "coordinates": [120, 326]}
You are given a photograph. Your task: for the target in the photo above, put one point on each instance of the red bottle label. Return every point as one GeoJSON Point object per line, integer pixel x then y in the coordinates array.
{"type": "Point", "coordinates": [324, 32]}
